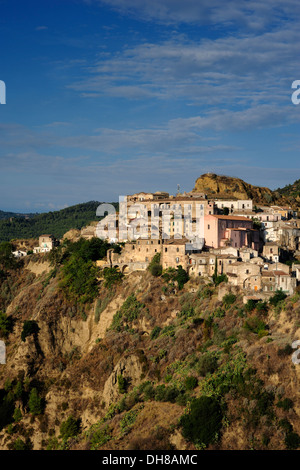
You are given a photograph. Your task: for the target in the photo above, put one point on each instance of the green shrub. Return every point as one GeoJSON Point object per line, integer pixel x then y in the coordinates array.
{"type": "Point", "coordinates": [182, 277]}
{"type": "Point", "coordinates": [69, 428]}
{"type": "Point", "coordinates": [122, 384]}
{"type": "Point", "coordinates": [148, 390]}
{"type": "Point", "coordinates": [228, 299]}
{"type": "Point", "coordinates": [6, 324]}
{"type": "Point", "coordinates": [285, 425]}
{"type": "Point", "coordinates": [292, 441]}
{"type": "Point", "coordinates": [219, 278]}
{"type": "Point", "coordinates": [19, 444]}
{"type": "Point", "coordinates": [99, 438]}
{"type": "Point", "coordinates": [112, 276]}
{"type": "Point", "coordinates": [285, 404]}
{"type": "Point", "coordinates": [129, 311]}
{"type": "Point", "coordinates": [79, 280]}
{"type": "Point", "coordinates": [255, 325]}
{"type": "Point", "coordinates": [207, 363]}
{"type": "Point", "coordinates": [190, 382]}
{"type": "Point", "coordinates": [155, 332]}
{"type": "Point", "coordinates": [277, 297]}
{"type": "Point", "coordinates": [286, 351]}
{"type": "Point", "coordinates": [17, 415]}
{"type": "Point", "coordinates": [155, 268]}
{"type": "Point", "coordinates": [203, 423]}
{"type": "Point", "coordinates": [35, 403]}
{"type": "Point", "coordinates": [262, 307]}
{"type": "Point", "coordinates": [250, 305]}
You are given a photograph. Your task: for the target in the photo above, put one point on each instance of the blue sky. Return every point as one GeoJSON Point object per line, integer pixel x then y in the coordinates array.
{"type": "Point", "coordinates": [111, 97]}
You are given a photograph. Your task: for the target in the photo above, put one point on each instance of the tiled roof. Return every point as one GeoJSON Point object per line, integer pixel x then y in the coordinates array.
{"type": "Point", "coordinates": [230, 217]}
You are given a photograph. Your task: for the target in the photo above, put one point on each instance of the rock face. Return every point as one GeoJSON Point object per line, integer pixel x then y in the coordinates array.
{"type": "Point", "coordinates": [218, 186]}
{"type": "Point", "coordinates": [130, 369]}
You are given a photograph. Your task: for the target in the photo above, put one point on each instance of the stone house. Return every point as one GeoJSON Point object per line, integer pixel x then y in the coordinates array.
{"type": "Point", "coordinates": [46, 244]}
{"type": "Point", "coordinates": [222, 230]}
{"type": "Point", "coordinates": [244, 274]}
{"type": "Point", "coordinates": [296, 271]}
{"type": "Point", "coordinates": [234, 205]}
{"type": "Point", "coordinates": [278, 280]}
{"type": "Point", "coordinates": [271, 252]}
{"type": "Point", "coordinates": [205, 264]}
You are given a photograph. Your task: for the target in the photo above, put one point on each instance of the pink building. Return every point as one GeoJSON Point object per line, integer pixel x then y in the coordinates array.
{"type": "Point", "coordinates": [227, 230]}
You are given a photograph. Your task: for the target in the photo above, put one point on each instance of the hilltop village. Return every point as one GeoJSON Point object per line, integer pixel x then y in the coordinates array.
{"type": "Point", "coordinates": [255, 246]}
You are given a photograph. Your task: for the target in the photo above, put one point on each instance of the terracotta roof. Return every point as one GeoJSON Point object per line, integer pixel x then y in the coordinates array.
{"type": "Point", "coordinates": [230, 217]}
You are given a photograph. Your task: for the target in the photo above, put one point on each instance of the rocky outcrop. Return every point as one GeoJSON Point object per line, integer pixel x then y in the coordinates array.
{"type": "Point", "coordinates": [130, 369]}
{"type": "Point", "coordinates": [220, 186]}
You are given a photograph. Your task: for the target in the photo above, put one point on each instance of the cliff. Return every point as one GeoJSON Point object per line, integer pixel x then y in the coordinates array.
{"type": "Point", "coordinates": [120, 372]}
{"type": "Point", "coordinates": [219, 186]}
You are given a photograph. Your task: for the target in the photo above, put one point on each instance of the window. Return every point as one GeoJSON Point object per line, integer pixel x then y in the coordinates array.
{"type": "Point", "coordinates": [177, 260]}
{"type": "Point", "coordinates": [166, 249]}
{"type": "Point", "coordinates": [208, 227]}
{"type": "Point", "coordinates": [177, 249]}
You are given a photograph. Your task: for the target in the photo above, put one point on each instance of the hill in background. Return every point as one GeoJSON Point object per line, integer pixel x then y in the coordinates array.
{"type": "Point", "coordinates": [220, 186]}
{"type": "Point", "coordinates": [291, 191]}
{"type": "Point", "coordinates": [57, 222]}
{"type": "Point", "coordinates": [8, 215]}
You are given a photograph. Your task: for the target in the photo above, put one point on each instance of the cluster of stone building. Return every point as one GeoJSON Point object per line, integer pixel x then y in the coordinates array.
{"type": "Point", "coordinates": [244, 242]}
{"type": "Point", "coordinates": [247, 243]}
{"type": "Point", "coordinates": [46, 243]}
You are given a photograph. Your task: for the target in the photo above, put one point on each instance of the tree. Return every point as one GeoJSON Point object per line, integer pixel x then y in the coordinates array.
{"type": "Point", "coordinates": [155, 267]}
{"type": "Point", "coordinates": [6, 324]}
{"type": "Point", "coordinates": [204, 421]}
{"type": "Point", "coordinates": [7, 259]}
{"type": "Point", "coordinates": [17, 415]}
{"type": "Point", "coordinates": [80, 280]}
{"type": "Point", "coordinates": [111, 277]}
{"type": "Point", "coordinates": [182, 277]}
{"type": "Point", "coordinates": [69, 428]}
{"type": "Point", "coordinates": [35, 403]}
{"type": "Point", "coordinates": [277, 297]}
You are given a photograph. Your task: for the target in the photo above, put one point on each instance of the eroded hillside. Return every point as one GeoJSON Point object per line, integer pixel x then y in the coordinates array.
{"type": "Point", "coordinates": [127, 370]}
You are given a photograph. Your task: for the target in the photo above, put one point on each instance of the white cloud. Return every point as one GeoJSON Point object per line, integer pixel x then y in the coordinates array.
{"type": "Point", "coordinates": [252, 14]}
{"type": "Point", "coordinates": [242, 71]}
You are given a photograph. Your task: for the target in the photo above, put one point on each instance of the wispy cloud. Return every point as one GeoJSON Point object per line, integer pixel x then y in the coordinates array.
{"type": "Point", "coordinates": [239, 13]}
{"type": "Point", "coordinates": [233, 71]}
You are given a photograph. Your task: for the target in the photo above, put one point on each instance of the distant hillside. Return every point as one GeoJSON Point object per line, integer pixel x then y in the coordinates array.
{"type": "Point", "coordinates": [8, 215]}
{"type": "Point", "coordinates": [219, 186]}
{"type": "Point", "coordinates": [291, 191]}
{"type": "Point", "coordinates": [57, 223]}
